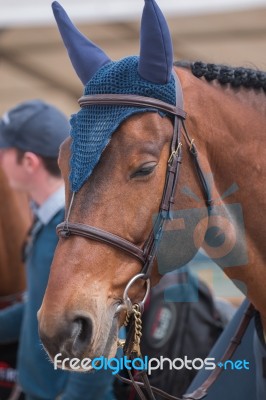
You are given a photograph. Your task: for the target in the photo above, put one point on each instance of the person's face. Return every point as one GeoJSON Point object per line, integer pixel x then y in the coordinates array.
{"type": "Point", "coordinates": [15, 171]}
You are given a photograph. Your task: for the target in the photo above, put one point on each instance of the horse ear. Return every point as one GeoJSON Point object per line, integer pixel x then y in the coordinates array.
{"type": "Point", "coordinates": [85, 56]}
{"type": "Point", "coordinates": [156, 50]}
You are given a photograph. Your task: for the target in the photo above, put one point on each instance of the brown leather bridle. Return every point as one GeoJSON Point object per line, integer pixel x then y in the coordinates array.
{"type": "Point", "coordinates": [146, 255]}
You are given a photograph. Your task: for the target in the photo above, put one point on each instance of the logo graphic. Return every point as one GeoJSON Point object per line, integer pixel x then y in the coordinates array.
{"type": "Point", "coordinates": [149, 365]}
{"type": "Point", "coordinates": [218, 232]}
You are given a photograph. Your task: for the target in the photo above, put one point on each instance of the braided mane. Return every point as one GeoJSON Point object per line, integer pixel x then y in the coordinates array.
{"type": "Point", "coordinates": [236, 77]}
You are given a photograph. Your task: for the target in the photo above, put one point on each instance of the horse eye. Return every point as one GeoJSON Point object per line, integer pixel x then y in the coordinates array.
{"type": "Point", "coordinates": [144, 170]}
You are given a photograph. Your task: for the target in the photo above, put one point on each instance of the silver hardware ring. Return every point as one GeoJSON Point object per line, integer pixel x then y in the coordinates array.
{"type": "Point", "coordinates": [126, 298]}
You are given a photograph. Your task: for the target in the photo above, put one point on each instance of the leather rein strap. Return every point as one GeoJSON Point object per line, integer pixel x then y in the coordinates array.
{"type": "Point", "coordinates": [200, 392]}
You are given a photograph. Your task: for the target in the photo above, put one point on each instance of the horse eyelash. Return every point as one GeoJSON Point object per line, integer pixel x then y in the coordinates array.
{"type": "Point", "coordinates": [144, 171]}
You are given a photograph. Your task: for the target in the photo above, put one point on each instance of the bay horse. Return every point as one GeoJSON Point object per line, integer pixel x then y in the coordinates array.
{"type": "Point", "coordinates": [116, 193]}
{"type": "Point", "coordinates": [15, 219]}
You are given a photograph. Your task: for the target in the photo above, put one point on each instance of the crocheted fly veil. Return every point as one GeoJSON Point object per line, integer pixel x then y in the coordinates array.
{"type": "Point", "coordinates": [148, 75]}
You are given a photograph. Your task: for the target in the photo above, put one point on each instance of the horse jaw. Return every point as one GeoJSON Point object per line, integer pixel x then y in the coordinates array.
{"type": "Point", "coordinates": [88, 278]}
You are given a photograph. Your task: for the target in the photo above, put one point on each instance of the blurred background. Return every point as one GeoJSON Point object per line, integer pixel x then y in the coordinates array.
{"type": "Point", "coordinates": [34, 62]}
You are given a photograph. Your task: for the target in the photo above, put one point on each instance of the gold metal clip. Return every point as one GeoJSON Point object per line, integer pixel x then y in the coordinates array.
{"type": "Point", "coordinates": [191, 144]}
{"type": "Point", "coordinates": [121, 343]}
{"type": "Point", "coordinates": [174, 153]}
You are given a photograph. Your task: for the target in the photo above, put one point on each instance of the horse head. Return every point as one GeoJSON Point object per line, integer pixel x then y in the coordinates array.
{"type": "Point", "coordinates": [115, 165]}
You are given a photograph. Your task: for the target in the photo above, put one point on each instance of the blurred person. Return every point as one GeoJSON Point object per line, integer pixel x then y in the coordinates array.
{"type": "Point", "coordinates": [30, 136]}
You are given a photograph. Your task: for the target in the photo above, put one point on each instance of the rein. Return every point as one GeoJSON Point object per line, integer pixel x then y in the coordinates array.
{"type": "Point", "coordinates": [146, 255]}
{"type": "Point", "coordinates": [201, 391]}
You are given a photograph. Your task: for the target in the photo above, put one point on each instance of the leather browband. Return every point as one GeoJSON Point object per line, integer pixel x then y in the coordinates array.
{"type": "Point", "coordinates": [129, 99]}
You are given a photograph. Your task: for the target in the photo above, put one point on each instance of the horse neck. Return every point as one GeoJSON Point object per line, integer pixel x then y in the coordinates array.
{"type": "Point", "coordinates": [228, 126]}
{"type": "Point", "coordinates": [229, 131]}
{"type": "Point", "coordinates": [14, 222]}
{"type": "Point", "coordinates": [234, 145]}
{"type": "Point", "coordinates": [254, 99]}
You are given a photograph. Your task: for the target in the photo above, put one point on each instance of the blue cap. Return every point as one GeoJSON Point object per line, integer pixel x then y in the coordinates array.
{"type": "Point", "coordinates": [34, 126]}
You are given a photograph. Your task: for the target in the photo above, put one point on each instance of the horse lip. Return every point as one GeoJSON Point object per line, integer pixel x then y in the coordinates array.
{"type": "Point", "coordinates": [111, 341]}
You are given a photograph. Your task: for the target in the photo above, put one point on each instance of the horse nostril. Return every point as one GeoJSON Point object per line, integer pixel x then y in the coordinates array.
{"type": "Point", "coordinates": [81, 333]}
{"type": "Point", "coordinates": [70, 337]}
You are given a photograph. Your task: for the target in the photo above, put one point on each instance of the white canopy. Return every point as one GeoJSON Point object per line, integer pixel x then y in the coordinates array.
{"type": "Point", "coordinates": [38, 12]}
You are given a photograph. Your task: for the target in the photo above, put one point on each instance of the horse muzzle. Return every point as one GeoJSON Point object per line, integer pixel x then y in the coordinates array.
{"type": "Point", "coordinates": [72, 337]}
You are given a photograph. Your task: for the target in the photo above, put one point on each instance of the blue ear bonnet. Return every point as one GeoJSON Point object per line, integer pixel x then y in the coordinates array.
{"type": "Point", "coordinates": [93, 126]}
{"type": "Point", "coordinates": [148, 75]}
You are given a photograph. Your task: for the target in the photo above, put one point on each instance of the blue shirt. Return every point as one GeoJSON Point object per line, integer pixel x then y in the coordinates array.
{"type": "Point", "coordinates": [36, 373]}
